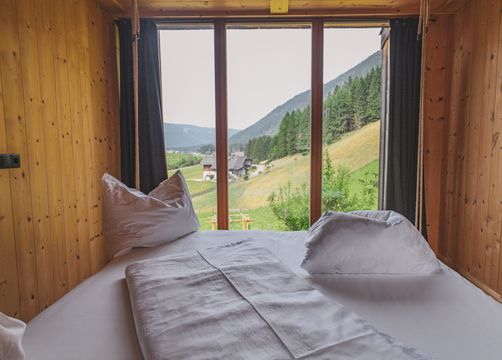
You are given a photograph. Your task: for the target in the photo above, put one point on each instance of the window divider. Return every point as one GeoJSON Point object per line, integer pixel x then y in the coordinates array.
{"type": "Point", "coordinates": [316, 111]}
{"type": "Point", "coordinates": [221, 111]}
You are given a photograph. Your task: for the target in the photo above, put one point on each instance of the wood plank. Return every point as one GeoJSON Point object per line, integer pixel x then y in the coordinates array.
{"type": "Point", "coordinates": [15, 125]}
{"type": "Point", "coordinates": [445, 129]}
{"type": "Point", "coordinates": [436, 58]}
{"type": "Point", "coordinates": [493, 265]}
{"type": "Point", "coordinates": [463, 111]}
{"type": "Point", "coordinates": [109, 96]}
{"type": "Point", "coordinates": [316, 125]}
{"type": "Point", "coordinates": [87, 150]}
{"type": "Point", "coordinates": [66, 141]}
{"type": "Point", "coordinates": [9, 292]}
{"type": "Point", "coordinates": [449, 238]}
{"type": "Point", "coordinates": [96, 53]}
{"type": "Point", "coordinates": [490, 14]}
{"type": "Point", "coordinates": [77, 118]}
{"type": "Point", "coordinates": [497, 235]}
{"type": "Point", "coordinates": [28, 25]}
{"type": "Point", "coordinates": [468, 152]}
{"type": "Point", "coordinates": [94, 189]}
{"type": "Point", "coordinates": [57, 240]}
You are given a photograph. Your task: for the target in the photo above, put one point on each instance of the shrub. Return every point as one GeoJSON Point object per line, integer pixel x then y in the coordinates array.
{"type": "Point", "coordinates": [291, 205]}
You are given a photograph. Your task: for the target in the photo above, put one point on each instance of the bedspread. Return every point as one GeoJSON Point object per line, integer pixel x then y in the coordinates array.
{"type": "Point", "coordinates": [239, 302]}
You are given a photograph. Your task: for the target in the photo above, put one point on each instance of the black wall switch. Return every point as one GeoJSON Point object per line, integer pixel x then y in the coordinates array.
{"type": "Point", "coordinates": [10, 161]}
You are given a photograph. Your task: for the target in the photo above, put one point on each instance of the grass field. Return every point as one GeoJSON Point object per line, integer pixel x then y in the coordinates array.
{"type": "Point", "coordinates": [357, 150]}
{"type": "Point", "coordinates": [177, 160]}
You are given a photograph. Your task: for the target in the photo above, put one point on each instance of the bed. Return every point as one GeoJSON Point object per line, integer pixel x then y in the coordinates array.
{"type": "Point", "coordinates": [441, 314]}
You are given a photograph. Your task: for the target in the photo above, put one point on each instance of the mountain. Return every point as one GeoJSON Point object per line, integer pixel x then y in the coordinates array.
{"type": "Point", "coordinates": [181, 136]}
{"type": "Point", "coordinates": [269, 125]}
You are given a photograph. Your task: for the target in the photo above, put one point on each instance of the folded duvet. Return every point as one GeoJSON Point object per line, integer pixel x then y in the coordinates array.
{"type": "Point", "coordinates": [239, 302]}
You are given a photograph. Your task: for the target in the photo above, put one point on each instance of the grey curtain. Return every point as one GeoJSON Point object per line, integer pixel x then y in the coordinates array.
{"type": "Point", "coordinates": [403, 120]}
{"type": "Point", "coordinates": [152, 161]}
{"type": "Point", "coordinates": [127, 156]}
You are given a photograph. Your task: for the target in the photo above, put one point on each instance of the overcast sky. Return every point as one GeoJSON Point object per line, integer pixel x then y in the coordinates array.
{"type": "Point", "coordinates": [265, 68]}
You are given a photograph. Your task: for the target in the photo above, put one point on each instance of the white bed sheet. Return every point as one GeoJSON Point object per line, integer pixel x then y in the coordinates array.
{"type": "Point", "coordinates": [441, 314]}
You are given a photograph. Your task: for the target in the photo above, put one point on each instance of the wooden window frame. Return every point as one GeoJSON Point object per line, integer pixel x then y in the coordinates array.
{"type": "Point", "coordinates": [317, 26]}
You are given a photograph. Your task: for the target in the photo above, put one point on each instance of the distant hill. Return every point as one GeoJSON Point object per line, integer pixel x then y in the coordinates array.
{"type": "Point", "coordinates": [269, 125]}
{"type": "Point", "coordinates": [181, 136]}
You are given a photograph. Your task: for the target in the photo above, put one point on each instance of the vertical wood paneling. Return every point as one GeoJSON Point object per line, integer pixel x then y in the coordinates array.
{"type": "Point", "coordinates": [493, 233]}
{"type": "Point", "coordinates": [490, 12]}
{"type": "Point", "coordinates": [435, 102]}
{"type": "Point", "coordinates": [77, 119]}
{"type": "Point", "coordinates": [57, 64]}
{"type": "Point", "coordinates": [471, 209]}
{"type": "Point", "coordinates": [64, 123]}
{"type": "Point", "coordinates": [9, 294]}
{"type": "Point", "coordinates": [53, 150]}
{"type": "Point", "coordinates": [494, 257]}
{"type": "Point", "coordinates": [454, 135]}
{"type": "Point", "coordinates": [28, 27]}
{"type": "Point", "coordinates": [14, 117]}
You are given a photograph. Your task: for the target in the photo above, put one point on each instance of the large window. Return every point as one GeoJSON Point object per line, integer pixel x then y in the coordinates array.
{"type": "Point", "coordinates": [268, 98]}
{"type": "Point", "coordinates": [268, 173]}
{"type": "Point", "coordinates": [351, 118]}
{"type": "Point", "coordinates": [188, 95]}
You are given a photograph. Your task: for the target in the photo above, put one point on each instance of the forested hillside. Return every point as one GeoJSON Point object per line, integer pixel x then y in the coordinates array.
{"type": "Point", "coordinates": [348, 107]}
{"type": "Point", "coordinates": [269, 125]}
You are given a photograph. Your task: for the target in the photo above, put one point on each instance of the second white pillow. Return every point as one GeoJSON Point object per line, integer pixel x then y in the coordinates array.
{"type": "Point", "coordinates": [367, 242]}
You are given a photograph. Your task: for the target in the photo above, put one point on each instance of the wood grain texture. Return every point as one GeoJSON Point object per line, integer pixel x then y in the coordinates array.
{"type": "Point", "coordinates": [59, 111]}
{"type": "Point", "coordinates": [203, 8]}
{"type": "Point", "coordinates": [436, 72]}
{"type": "Point", "coordinates": [221, 112]}
{"type": "Point", "coordinates": [468, 145]}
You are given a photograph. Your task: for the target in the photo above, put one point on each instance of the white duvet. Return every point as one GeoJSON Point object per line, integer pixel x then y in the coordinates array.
{"type": "Point", "coordinates": [240, 302]}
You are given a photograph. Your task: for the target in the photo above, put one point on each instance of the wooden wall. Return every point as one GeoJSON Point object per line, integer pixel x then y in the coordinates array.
{"type": "Point", "coordinates": [59, 111]}
{"type": "Point", "coordinates": [463, 124]}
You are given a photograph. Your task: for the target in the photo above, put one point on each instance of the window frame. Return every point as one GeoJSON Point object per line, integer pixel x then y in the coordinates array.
{"type": "Point", "coordinates": [317, 26]}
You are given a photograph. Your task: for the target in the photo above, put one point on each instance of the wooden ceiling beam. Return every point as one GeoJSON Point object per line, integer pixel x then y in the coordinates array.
{"type": "Point", "coordinates": [262, 8]}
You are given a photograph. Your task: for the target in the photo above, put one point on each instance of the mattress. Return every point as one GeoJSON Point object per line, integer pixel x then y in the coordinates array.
{"type": "Point", "coordinates": [441, 314]}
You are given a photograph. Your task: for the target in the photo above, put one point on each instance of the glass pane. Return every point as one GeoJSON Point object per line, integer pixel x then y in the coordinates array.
{"type": "Point", "coordinates": [351, 121]}
{"type": "Point", "coordinates": [269, 122]}
{"type": "Point", "coordinates": [187, 63]}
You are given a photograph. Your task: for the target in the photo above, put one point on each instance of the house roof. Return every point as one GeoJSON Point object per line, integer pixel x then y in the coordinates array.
{"type": "Point", "coordinates": [236, 163]}
{"type": "Point", "coordinates": [208, 160]}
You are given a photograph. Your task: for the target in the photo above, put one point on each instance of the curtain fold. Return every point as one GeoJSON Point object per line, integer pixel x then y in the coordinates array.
{"type": "Point", "coordinates": [152, 160]}
{"type": "Point", "coordinates": [152, 154]}
{"type": "Point", "coordinates": [403, 121]}
{"type": "Point", "coordinates": [127, 141]}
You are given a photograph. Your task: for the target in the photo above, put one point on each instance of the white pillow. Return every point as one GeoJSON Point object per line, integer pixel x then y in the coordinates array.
{"type": "Point", "coordinates": [133, 219]}
{"type": "Point", "coordinates": [367, 242]}
{"type": "Point", "coordinates": [11, 335]}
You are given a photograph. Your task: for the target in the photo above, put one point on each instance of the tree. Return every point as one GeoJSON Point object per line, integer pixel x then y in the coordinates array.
{"type": "Point", "coordinates": [374, 98]}
{"type": "Point", "coordinates": [349, 106]}
{"type": "Point", "coordinates": [291, 206]}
